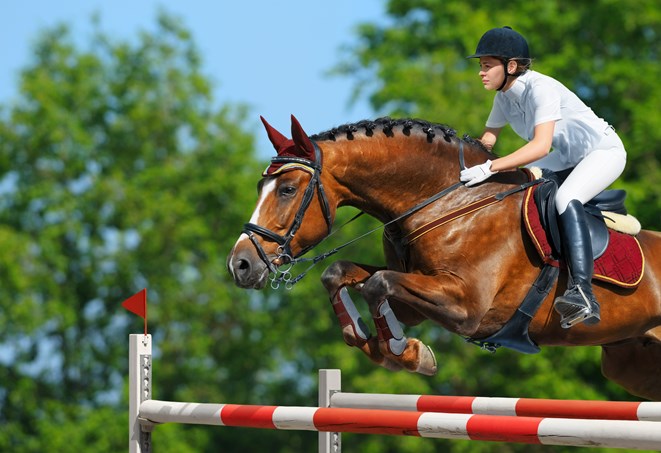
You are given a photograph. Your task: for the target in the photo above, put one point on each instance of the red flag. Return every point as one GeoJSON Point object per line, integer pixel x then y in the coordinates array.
{"type": "Point", "coordinates": [137, 304]}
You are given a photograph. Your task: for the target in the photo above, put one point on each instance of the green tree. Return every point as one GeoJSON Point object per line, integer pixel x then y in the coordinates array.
{"type": "Point", "coordinates": [118, 173]}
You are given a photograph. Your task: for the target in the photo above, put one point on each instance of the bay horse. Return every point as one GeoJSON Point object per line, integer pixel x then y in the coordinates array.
{"type": "Point", "coordinates": [468, 274]}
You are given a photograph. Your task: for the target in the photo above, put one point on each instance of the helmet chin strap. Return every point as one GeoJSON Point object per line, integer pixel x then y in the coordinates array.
{"type": "Point", "coordinates": [508, 75]}
{"type": "Point", "coordinates": [502, 85]}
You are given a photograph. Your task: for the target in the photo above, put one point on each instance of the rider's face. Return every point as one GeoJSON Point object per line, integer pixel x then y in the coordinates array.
{"type": "Point", "coordinates": [492, 72]}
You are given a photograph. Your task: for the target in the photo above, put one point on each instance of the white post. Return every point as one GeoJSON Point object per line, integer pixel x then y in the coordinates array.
{"type": "Point", "coordinates": [139, 390]}
{"type": "Point", "coordinates": [330, 381]}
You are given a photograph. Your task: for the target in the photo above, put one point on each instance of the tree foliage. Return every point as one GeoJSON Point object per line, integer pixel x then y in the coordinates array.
{"type": "Point", "coordinates": [118, 171]}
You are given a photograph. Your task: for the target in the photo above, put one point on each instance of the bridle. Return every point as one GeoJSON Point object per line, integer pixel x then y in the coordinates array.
{"type": "Point", "coordinates": [284, 256]}
{"type": "Point", "coordinates": [284, 252]}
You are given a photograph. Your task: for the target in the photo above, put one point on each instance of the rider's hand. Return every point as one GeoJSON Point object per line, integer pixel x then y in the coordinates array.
{"type": "Point", "coordinates": [477, 174]}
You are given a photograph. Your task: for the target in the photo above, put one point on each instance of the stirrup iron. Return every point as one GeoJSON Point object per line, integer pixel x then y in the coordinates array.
{"type": "Point", "coordinates": [576, 312]}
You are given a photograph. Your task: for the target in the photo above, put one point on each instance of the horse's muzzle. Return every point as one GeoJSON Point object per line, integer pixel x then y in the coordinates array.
{"type": "Point", "coordinates": [247, 269]}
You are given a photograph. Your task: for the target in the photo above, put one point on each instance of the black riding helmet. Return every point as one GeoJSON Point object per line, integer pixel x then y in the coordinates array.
{"type": "Point", "coordinates": [504, 44]}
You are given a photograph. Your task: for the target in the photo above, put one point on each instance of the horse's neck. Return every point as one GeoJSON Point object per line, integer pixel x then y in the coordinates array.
{"type": "Point", "coordinates": [386, 176]}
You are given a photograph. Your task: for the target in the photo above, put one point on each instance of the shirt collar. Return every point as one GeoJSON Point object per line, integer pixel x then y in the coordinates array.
{"type": "Point", "coordinates": [517, 89]}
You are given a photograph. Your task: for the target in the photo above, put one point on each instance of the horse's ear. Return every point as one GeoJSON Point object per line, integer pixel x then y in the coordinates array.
{"type": "Point", "coordinates": [279, 141]}
{"type": "Point", "coordinates": [301, 139]}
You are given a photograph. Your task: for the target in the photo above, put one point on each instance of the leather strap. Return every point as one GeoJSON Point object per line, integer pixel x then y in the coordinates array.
{"type": "Point", "coordinates": [462, 211]}
{"type": "Point", "coordinates": [514, 334]}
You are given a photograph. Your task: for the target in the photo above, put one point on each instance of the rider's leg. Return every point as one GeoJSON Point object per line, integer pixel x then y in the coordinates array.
{"type": "Point", "coordinates": [578, 303]}
{"type": "Point", "coordinates": [592, 175]}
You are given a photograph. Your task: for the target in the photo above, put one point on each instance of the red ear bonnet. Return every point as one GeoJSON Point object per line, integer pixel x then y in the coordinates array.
{"type": "Point", "coordinates": [301, 146]}
{"type": "Point", "coordinates": [303, 142]}
{"type": "Point", "coordinates": [279, 141]}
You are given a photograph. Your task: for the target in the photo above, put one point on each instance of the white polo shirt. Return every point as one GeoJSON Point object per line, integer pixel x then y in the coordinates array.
{"type": "Point", "coordinates": [535, 98]}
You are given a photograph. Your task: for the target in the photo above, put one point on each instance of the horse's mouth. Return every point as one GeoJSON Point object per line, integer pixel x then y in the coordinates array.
{"type": "Point", "coordinates": [260, 281]}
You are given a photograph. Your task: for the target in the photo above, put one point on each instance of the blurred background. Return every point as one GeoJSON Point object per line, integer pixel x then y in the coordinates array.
{"type": "Point", "coordinates": [130, 148]}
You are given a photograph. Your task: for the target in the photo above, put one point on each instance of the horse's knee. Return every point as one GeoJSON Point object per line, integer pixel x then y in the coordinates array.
{"type": "Point", "coordinates": [346, 273]}
{"type": "Point", "coordinates": [333, 276]}
{"type": "Point", "coordinates": [376, 289]}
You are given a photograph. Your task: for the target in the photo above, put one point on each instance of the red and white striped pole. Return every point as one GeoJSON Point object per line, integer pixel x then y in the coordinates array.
{"type": "Point", "coordinates": [527, 407]}
{"type": "Point", "coordinates": [515, 419]}
{"type": "Point", "coordinates": [645, 435]}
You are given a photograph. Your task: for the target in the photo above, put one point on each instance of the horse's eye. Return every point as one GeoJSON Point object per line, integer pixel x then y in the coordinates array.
{"type": "Point", "coordinates": [287, 191]}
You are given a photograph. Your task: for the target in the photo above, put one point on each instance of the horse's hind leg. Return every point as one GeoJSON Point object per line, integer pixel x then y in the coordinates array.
{"type": "Point", "coordinates": [635, 365]}
{"type": "Point", "coordinates": [355, 332]}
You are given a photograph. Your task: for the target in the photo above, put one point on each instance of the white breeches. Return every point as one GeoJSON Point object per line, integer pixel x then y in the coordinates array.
{"type": "Point", "coordinates": [591, 175]}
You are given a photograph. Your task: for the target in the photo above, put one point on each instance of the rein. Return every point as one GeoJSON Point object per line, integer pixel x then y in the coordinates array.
{"type": "Point", "coordinates": [286, 260]}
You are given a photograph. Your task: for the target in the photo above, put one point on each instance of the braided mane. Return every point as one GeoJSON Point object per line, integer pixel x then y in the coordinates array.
{"type": "Point", "coordinates": [386, 126]}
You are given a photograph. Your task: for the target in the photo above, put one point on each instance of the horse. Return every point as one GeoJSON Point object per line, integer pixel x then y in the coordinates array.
{"type": "Point", "coordinates": [468, 272]}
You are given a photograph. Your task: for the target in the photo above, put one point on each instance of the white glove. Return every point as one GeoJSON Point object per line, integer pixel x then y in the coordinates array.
{"type": "Point", "coordinates": [477, 174]}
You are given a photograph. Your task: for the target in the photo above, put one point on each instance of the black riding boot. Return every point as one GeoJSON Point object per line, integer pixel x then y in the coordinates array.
{"type": "Point", "coordinates": [578, 304]}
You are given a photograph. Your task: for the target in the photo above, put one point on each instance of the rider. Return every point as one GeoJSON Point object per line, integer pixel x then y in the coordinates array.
{"type": "Point", "coordinates": [547, 115]}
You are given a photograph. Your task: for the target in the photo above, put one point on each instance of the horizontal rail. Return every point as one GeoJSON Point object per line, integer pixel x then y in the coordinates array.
{"type": "Point", "coordinates": [527, 407]}
{"type": "Point", "coordinates": [644, 435]}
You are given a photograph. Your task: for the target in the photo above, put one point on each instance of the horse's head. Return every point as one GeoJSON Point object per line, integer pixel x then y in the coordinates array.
{"type": "Point", "coordinates": [292, 213]}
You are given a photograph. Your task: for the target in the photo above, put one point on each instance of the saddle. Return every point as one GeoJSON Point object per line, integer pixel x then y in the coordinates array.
{"type": "Point", "coordinates": [618, 257]}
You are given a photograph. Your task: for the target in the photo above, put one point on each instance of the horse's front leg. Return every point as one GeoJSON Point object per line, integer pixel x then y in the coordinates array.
{"type": "Point", "coordinates": [336, 278]}
{"type": "Point", "coordinates": [393, 296]}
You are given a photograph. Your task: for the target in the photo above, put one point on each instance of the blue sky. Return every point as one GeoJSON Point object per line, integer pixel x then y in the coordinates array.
{"type": "Point", "coordinates": [271, 55]}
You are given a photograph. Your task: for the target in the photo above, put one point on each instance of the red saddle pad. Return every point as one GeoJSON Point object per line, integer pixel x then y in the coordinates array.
{"type": "Point", "coordinates": [622, 263]}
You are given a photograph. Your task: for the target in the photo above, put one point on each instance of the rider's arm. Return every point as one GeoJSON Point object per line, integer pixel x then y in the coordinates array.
{"type": "Point", "coordinates": [490, 136]}
{"type": "Point", "coordinates": [535, 149]}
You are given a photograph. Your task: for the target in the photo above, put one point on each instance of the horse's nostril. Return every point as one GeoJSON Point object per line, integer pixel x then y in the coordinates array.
{"type": "Point", "coordinates": [243, 265]}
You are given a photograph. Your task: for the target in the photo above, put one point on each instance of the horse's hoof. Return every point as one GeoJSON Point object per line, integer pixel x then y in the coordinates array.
{"type": "Point", "coordinates": [416, 358]}
{"type": "Point", "coordinates": [427, 361]}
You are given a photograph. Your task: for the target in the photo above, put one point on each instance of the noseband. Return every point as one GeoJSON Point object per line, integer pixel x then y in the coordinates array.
{"type": "Point", "coordinates": [284, 252]}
